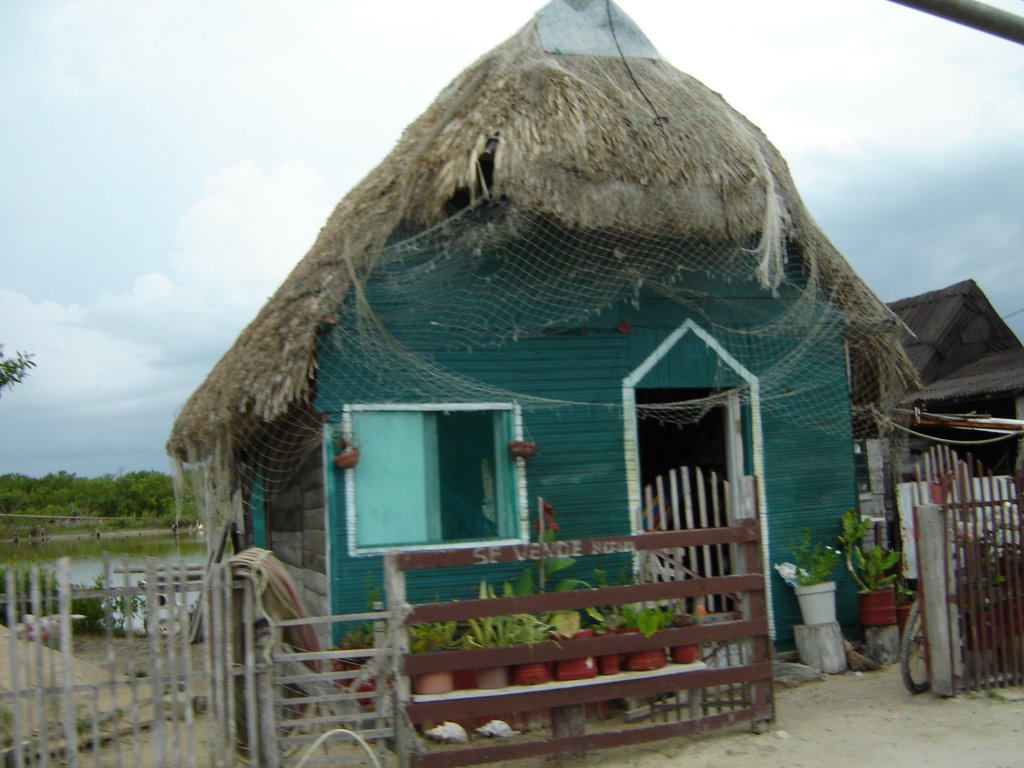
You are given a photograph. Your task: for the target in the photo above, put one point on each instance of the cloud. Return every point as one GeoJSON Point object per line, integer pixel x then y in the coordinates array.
{"type": "Point", "coordinates": [248, 230]}
{"type": "Point", "coordinates": [910, 224]}
{"type": "Point", "coordinates": [120, 368]}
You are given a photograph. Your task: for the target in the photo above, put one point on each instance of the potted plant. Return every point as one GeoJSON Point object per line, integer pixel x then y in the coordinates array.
{"type": "Point", "coordinates": [566, 627]}
{"type": "Point", "coordinates": [646, 619]}
{"type": "Point", "coordinates": [346, 452]}
{"type": "Point", "coordinates": [433, 637]}
{"type": "Point", "coordinates": [689, 653]}
{"type": "Point", "coordinates": [871, 572]}
{"type": "Point", "coordinates": [501, 631]}
{"type": "Point", "coordinates": [811, 578]}
{"type": "Point", "coordinates": [358, 638]}
{"type": "Point", "coordinates": [522, 449]}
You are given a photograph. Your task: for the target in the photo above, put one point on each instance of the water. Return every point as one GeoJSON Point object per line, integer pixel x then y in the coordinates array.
{"type": "Point", "coordinates": [86, 553]}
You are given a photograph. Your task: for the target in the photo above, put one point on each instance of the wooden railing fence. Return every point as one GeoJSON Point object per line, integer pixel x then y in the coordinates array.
{"type": "Point", "coordinates": [743, 674]}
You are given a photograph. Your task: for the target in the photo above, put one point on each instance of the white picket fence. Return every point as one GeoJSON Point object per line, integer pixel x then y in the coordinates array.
{"type": "Point", "coordinates": [110, 676]}
{"type": "Point", "coordinates": [685, 499]}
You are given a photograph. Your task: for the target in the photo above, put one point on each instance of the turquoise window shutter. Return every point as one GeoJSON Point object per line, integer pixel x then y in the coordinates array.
{"type": "Point", "coordinates": [392, 484]}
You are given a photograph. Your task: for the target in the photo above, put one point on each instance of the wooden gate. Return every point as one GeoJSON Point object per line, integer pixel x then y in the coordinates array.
{"type": "Point", "coordinates": [283, 692]}
{"type": "Point", "coordinates": [687, 499]}
{"type": "Point", "coordinates": [984, 584]}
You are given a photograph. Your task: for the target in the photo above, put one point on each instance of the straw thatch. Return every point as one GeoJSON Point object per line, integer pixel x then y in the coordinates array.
{"type": "Point", "coordinates": [579, 143]}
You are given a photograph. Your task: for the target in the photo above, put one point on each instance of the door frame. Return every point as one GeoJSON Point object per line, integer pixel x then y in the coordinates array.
{"type": "Point", "coordinates": [734, 432]}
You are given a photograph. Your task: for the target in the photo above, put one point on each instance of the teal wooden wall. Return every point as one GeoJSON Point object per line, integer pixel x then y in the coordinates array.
{"type": "Point", "coordinates": [808, 460]}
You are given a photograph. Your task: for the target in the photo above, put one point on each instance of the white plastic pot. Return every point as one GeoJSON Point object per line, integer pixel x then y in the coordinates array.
{"type": "Point", "coordinates": [818, 602]}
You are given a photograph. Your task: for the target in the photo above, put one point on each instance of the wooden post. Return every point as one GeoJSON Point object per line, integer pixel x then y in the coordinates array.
{"type": "Point", "coordinates": [269, 751]}
{"type": "Point", "coordinates": [394, 587]}
{"type": "Point", "coordinates": [932, 559]}
{"type": "Point", "coordinates": [568, 721]}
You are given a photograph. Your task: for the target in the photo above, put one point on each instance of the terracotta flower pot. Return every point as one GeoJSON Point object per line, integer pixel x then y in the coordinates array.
{"type": "Point", "coordinates": [685, 654]}
{"type": "Point", "coordinates": [878, 608]}
{"type": "Point", "coordinates": [582, 668]}
{"type": "Point", "coordinates": [638, 661]}
{"type": "Point", "coordinates": [430, 683]}
{"type": "Point", "coordinates": [531, 673]}
{"type": "Point", "coordinates": [641, 661]}
{"type": "Point", "coordinates": [489, 678]}
{"type": "Point", "coordinates": [522, 449]}
{"type": "Point", "coordinates": [609, 664]}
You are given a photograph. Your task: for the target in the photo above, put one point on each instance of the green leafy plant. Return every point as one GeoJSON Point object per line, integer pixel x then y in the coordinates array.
{"type": "Point", "coordinates": [871, 571]}
{"type": "Point", "coordinates": [648, 619]}
{"type": "Point", "coordinates": [434, 636]}
{"type": "Point", "coordinates": [500, 631]}
{"type": "Point", "coordinates": [815, 562]}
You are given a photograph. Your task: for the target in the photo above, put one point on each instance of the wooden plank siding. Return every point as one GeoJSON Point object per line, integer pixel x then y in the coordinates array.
{"type": "Point", "coordinates": [581, 468]}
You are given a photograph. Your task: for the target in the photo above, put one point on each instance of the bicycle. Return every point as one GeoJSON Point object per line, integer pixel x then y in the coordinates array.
{"type": "Point", "coordinates": [914, 652]}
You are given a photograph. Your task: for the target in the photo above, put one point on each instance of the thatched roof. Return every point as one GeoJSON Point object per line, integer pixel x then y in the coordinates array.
{"type": "Point", "coordinates": [585, 140]}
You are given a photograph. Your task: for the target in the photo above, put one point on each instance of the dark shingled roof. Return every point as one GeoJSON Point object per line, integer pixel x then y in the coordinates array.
{"type": "Point", "coordinates": [996, 374]}
{"type": "Point", "coordinates": [955, 327]}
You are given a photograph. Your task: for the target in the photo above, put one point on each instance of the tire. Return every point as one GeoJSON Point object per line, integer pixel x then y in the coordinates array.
{"type": "Point", "coordinates": [913, 654]}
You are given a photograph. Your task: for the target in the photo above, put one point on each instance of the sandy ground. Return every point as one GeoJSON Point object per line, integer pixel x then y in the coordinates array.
{"type": "Point", "coordinates": [852, 721]}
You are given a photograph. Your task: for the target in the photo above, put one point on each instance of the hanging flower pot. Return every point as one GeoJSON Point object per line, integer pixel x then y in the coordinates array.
{"type": "Point", "coordinates": [347, 459]}
{"type": "Point", "coordinates": [522, 449]}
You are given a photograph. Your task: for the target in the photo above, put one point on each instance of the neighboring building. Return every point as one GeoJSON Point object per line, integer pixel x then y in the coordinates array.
{"type": "Point", "coordinates": [970, 364]}
{"type": "Point", "coordinates": [576, 245]}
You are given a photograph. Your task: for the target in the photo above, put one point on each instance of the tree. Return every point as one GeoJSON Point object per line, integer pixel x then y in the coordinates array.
{"type": "Point", "coordinates": [14, 369]}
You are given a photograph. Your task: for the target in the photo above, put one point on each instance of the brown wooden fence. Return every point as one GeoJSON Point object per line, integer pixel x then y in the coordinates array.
{"type": "Point", "coordinates": [730, 682]}
{"type": "Point", "coordinates": [984, 533]}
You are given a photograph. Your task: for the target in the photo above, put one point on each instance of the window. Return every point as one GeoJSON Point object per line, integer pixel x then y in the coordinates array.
{"type": "Point", "coordinates": [431, 476]}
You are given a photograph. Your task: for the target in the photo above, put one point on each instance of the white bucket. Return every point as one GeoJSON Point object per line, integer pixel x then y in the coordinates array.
{"type": "Point", "coordinates": [818, 602]}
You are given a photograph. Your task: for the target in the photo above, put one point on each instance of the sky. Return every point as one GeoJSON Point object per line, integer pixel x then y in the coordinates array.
{"type": "Point", "coordinates": [166, 163]}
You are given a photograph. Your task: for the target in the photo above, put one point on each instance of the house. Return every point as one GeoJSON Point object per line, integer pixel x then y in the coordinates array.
{"type": "Point", "coordinates": [577, 246]}
{"type": "Point", "coordinates": [970, 364]}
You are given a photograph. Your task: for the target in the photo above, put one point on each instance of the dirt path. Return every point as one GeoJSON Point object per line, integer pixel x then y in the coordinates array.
{"type": "Point", "coordinates": [852, 721]}
{"type": "Point", "coordinates": [842, 721]}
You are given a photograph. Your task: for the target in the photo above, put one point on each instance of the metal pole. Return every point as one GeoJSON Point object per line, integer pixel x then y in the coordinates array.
{"type": "Point", "coordinates": [970, 13]}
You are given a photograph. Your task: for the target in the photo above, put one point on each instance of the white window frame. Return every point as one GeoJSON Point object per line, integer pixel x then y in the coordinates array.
{"type": "Point", "coordinates": [351, 492]}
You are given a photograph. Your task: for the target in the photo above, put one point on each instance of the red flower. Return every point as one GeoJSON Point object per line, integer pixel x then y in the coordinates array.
{"type": "Point", "coordinates": [552, 526]}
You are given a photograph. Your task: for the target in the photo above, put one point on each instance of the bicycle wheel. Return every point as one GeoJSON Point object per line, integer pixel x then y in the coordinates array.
{"type": "Point", "coordinates": [913, 654]}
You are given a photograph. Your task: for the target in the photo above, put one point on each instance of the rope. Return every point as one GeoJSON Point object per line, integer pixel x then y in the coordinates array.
{"type": "Point", "coordinates": [324, 736]}
{"type": "Point", "coordinates": [946, 441]}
